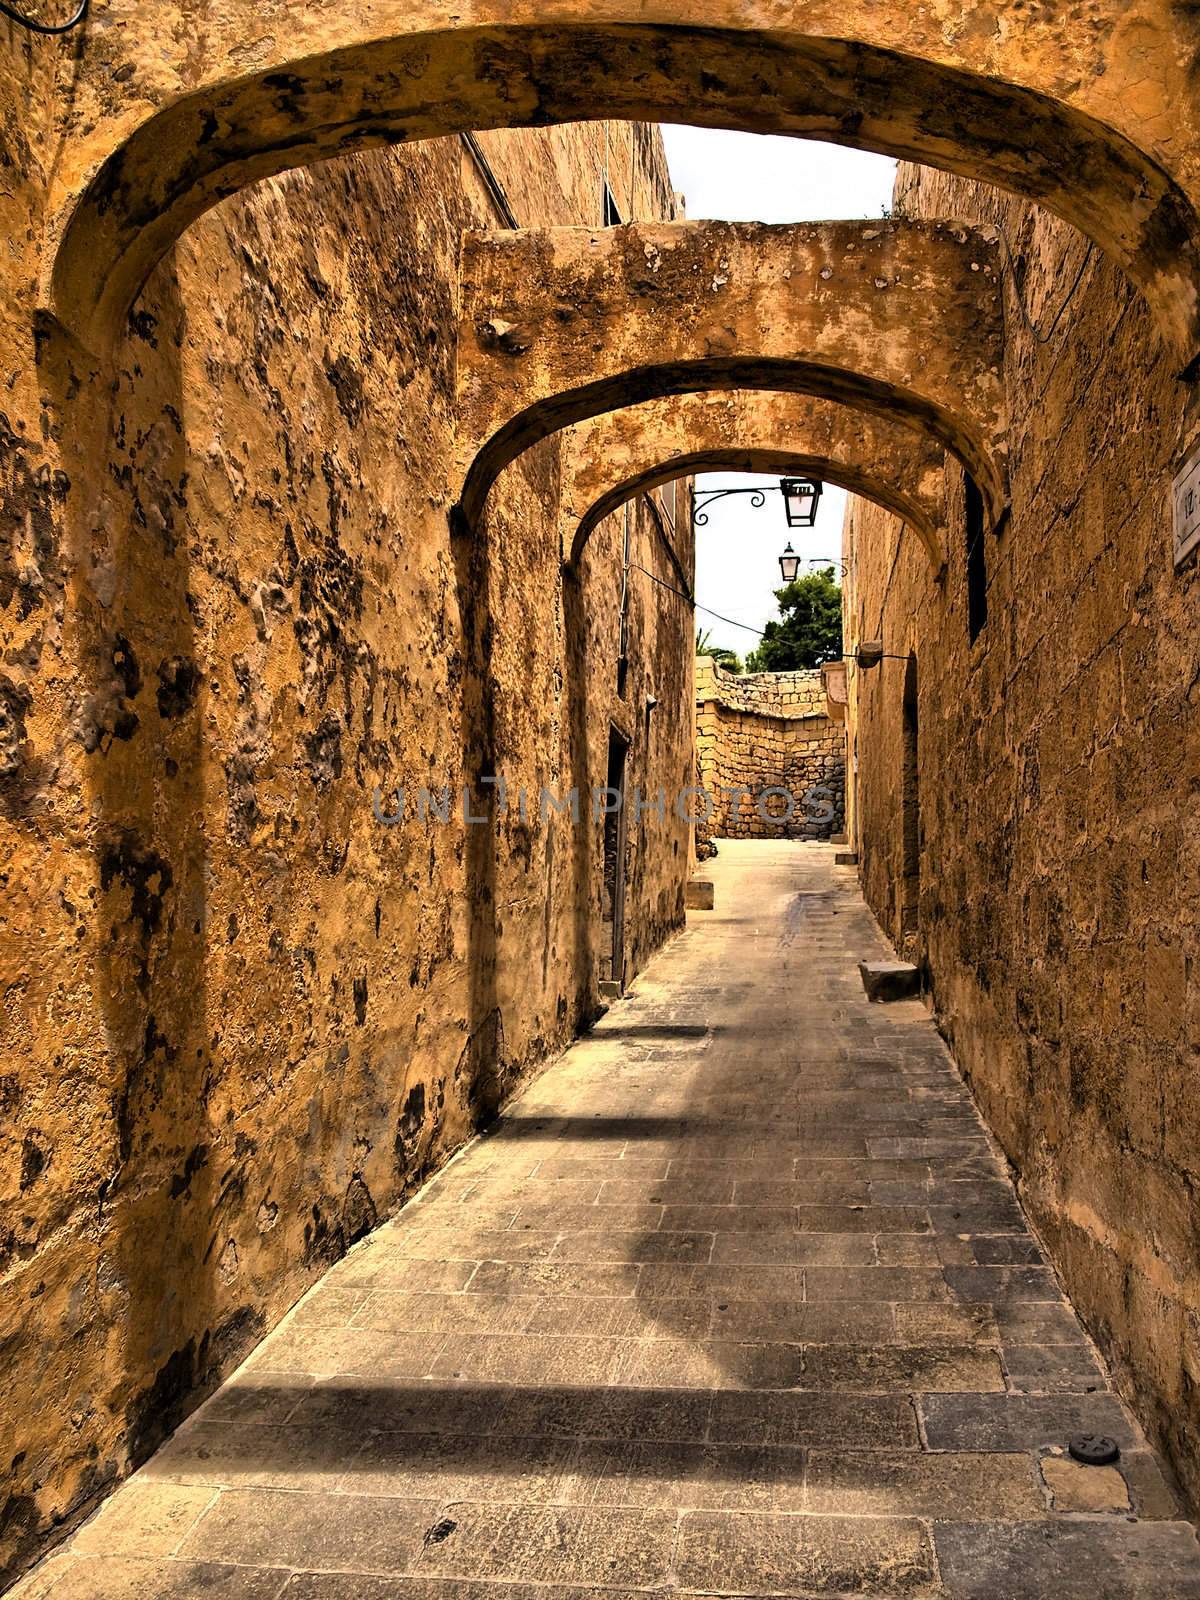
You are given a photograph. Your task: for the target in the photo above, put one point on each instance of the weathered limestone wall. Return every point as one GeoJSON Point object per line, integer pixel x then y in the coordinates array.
{"type": "Point", "coordinates": [767, 730]}
{"type": "Point", "coordinates": [241, 1016]}
{"type": "Point", "coordinates": [562, 324]}
{"type": "Point", "coordinates": [1090, 108]}
{"type": "Point", "coordinates": [1055, 846]}
{"type": "Point", "coordinates": [661, 738]}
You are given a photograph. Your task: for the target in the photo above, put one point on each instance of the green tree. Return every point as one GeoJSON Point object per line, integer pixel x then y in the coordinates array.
{"type": "Point", "coordinates": [721, 655]}
{"type": "Point", "coordinates": [809, 630]}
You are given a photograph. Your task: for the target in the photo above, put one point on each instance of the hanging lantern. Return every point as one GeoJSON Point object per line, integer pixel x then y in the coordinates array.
{"type": "Point", "coordinates": [800, 500]}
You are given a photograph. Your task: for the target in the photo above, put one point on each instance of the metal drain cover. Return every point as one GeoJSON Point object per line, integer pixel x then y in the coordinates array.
{"type": "Point", "coordinates": [1094, 1449]}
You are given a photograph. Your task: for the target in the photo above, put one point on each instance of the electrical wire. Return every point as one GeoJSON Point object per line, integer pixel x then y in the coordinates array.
{"type": "Point", "coordinates": [1044, 338]}
{"type": "Point", "coordinates": [47, 28]}
{"type": "Point", "coordinates": [708, 612]}
{"type": "Point", "coordinates": [695, 604]}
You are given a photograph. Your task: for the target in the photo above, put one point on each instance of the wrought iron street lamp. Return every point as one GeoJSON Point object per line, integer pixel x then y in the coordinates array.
{"type": "Point", "coordinates": [790, 564]}
{"type": "Point", "coordinates": [800, 497]}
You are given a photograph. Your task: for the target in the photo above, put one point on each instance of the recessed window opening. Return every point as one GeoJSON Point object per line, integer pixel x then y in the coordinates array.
{"type": "Point", "coordinates": [977, 579]}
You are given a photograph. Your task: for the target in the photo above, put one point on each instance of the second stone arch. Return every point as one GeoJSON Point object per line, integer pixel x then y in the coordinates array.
{"type": "Point", "coordinates": [623, 453]}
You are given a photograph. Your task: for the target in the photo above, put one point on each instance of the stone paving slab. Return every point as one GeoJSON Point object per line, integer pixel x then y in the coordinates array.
{"type": "Point", "coordinates": [737, 1299]}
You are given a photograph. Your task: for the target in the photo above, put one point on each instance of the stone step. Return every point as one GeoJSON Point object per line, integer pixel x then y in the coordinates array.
{"type": "Point", "coordinates": [890, 980]}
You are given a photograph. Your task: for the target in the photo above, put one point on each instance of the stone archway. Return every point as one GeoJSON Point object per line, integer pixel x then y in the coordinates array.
{"type": "Point", "coordinates": [892, 318]}
{"type": "Point", "coordinates": [1090, 112]}
{"type": "Point", "coordinates": [622, 453]}
{"type": "Point", "coordinates": [769, 462]}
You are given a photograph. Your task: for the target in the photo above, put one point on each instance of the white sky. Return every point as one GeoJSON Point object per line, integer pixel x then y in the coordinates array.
{"type": "Point", "coordinates": [749, 177]}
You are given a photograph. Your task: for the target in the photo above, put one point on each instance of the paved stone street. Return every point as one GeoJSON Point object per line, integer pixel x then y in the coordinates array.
{"type": "Point", "coordinates": [736, 1300]}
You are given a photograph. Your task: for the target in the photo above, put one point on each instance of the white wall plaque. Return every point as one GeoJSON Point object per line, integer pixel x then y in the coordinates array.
{"type": "Point", "coordinates": [1186, 494]}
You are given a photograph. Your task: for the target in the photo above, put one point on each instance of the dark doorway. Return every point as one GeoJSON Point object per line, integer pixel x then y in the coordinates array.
{"type": "Point", "coordinates": [910, 801]}
{"type": "Point", "coordinates": [614, 859]}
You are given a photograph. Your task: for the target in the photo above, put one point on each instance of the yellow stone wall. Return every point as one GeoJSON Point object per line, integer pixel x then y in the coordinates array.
{"type": "Point", "coordinates": [767, 730]}
{"type": "Point", "coordinates": [241, 1017]}
{"type": "Point", "coordinates": [1058, 766]}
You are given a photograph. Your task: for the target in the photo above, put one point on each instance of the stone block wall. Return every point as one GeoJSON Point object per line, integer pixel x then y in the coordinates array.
{"type": "Point", "coordinates": [1056, 889]}
{"type": "Point", "coordinates": [767, 730]}
{"type": "Point", "coordinates": [242, 1017]}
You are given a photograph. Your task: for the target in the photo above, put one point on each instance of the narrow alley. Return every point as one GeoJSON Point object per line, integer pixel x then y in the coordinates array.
{"type": "Point", "coordinates": [736, 1299]}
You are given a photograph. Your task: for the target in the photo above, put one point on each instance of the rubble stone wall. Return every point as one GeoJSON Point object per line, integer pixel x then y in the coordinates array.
{"type": "Point", "coordinates": [767, 730]}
